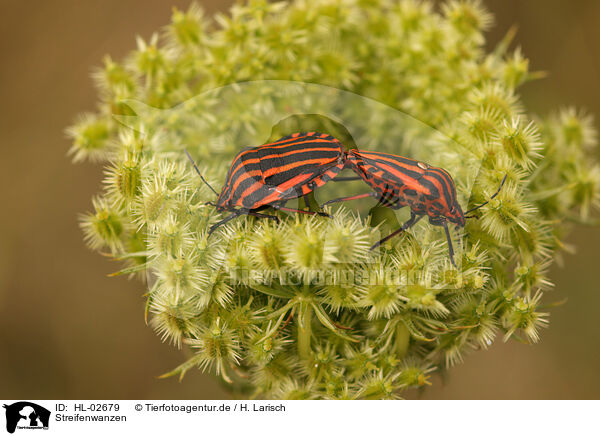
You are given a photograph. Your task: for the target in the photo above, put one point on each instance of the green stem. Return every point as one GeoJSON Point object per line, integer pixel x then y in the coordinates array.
{"type": "Point", "coordinates": [304, 331]}
{"type": "Point", "coordinates": [402, 340]}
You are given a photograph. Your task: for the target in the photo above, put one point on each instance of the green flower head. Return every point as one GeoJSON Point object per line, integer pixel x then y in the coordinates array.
{"type": "Point", "coordinates": [296, 305]}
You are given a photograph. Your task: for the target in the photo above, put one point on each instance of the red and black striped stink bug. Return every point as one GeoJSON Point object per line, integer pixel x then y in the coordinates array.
{"type": "Point", "coordinates": [271, 174]}
{"type": "Point", "coordinates": [399, 181]}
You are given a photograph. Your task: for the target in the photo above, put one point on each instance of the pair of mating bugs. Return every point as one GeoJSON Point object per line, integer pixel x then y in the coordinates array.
{"type": "Point", "coordinates": [293, 166]}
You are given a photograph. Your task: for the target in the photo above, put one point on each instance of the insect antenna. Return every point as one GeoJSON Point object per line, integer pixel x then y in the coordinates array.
{"type": "Point", "coordinates": [486, 202]}
{"type": "Point", "coordinates": [198, 171]}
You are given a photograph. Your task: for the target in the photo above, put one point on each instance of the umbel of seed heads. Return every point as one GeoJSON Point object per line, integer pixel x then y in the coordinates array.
{"type": "Point", "coordinates": [293, 166]}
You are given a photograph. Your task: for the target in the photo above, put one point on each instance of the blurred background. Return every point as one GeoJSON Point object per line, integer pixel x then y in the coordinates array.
{"type": "Point", "coordinates": [68, 331]}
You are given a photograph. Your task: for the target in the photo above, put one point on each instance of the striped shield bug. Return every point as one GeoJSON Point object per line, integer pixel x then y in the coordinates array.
{"type": "Point", "coordinates": [271, 174]}
{"type": "Point", "coordinates": [399, 181]}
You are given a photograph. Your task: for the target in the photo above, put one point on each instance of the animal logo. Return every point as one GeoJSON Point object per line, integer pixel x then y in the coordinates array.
{"type": "Point", "coordinates": [27, 415]}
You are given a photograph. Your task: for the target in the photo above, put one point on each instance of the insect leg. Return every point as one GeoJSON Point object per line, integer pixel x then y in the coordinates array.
{"type": "Point", "coordinates": [307, 205]}
{"type": "Point", "coordinates": [354, 197]}
{"type": "Point", "coordinates": [306, 201]}
{"type": "Point", "coordinates": [214, 227]}
{"type": "Point", "coordinates": [450, 248]}
{"type": "Point", "coordinates": [346, 179]}
{"type": "Point", "coordinates": [407, 225]}
{"type": "Point", "coordinates": [306, 212]}
{"type": "Point", "coordinates": [261, 215]}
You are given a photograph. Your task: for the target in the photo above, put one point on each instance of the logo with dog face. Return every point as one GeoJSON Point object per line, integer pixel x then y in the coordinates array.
{"type": "Point", "coordinates": [26, 415]}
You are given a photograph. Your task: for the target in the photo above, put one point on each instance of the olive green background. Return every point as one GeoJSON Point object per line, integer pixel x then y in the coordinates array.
{"type": "Point", "coordinates": [68, 331]}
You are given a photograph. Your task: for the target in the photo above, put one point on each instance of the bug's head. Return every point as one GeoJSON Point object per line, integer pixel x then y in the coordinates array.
{"type": "Point", "coordinates": [456, 215]}
{"type": "Point", "coordinates": [219, 204]}
{"type": "Point", "coordinates": [215, 205]}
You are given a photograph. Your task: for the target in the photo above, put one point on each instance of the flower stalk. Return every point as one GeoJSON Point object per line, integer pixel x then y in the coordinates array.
{"type": "Point", "coordinates": [305, 316]}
